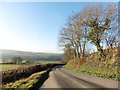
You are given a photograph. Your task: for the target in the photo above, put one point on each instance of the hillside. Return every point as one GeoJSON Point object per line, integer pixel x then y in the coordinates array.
{"type": "Point", "coordinates": [9, 54]}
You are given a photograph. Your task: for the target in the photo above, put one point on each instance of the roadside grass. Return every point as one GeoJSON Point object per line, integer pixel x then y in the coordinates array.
{"type": "Point", "coordinates": [26, 82]}
{"type": "Point", "coordinates": [100, 71]}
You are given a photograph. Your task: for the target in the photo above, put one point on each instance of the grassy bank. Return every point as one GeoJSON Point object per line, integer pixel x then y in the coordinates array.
{"type": "Point", "coordinates": [94, 64]}
{"type": "Point", "coordinates": [23, 72]}
{"type": "Point", "coordinates": [109, 72]}
{"type": "Point", "coordinates": [27, 83]}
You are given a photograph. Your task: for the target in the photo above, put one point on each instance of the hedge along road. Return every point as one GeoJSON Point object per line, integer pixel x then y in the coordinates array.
{"type": "Point", "coordinates": [60, 77]}
{"type": "Point", "coordinates": [0, 79]}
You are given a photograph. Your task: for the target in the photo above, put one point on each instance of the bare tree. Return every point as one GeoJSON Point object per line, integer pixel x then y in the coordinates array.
{"type": "Point", "coordinates": [111, 41]}
{"type": "Point", "coordinates": [99, 19]}
{"type": "Point", "coordinates": [74, 34]}
{"type": "Point", "coordinates": [88, 25]}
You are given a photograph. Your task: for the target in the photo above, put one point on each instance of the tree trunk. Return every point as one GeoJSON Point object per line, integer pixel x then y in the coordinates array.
{"type": "Point", "coordinates": [102, 55]}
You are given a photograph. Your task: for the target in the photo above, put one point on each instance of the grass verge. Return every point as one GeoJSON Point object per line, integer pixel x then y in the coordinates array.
{"type": "Point", "coordinates": [95, 70]}
{"type": "Point", "coordinates": [29, 82]}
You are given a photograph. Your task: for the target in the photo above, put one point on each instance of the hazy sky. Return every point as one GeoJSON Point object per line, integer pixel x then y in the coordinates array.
{"type": "Point", "coordinates": [34, 26]}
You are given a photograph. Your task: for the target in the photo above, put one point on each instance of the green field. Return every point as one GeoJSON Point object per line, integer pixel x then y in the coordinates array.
{"type": "Point", "coordinates": [4, 67]}
{"type": "Point", "coordinates": [31, 56]}
{"type": "Point", "coordinates": [45, 61]}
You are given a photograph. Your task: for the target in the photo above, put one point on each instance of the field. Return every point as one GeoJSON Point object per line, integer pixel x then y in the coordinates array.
{"type": "Point", "coordinates": [4, 67]}
{"type": "Point", "coordinates": [31, 56]}
{"type": "Point", "coordinates": [46, 61]}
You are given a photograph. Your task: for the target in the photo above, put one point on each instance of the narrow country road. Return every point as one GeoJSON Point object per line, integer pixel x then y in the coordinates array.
{"type": "Point", "coordinates": [60, 77]}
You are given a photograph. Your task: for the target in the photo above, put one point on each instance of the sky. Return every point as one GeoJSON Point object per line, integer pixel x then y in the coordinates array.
{"type": "Point", "coordinates": [34, 26]}
{"type": "Point", "coordinates": [59, 0]}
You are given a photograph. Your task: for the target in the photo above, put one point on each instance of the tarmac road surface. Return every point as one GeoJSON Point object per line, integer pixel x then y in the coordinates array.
{"type": "Point", "coordinates": [60, 77]}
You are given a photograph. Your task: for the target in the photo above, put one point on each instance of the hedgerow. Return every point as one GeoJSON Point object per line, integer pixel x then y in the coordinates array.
{"type": "Point", "coordinates": [26, 83]}
{"type": "Point", "coordinates": [23, 72]}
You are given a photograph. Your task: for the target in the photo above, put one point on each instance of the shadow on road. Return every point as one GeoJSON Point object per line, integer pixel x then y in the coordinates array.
{"type": "Point", "coordinates": [44, 78]}
{"type": "Point", "coordinates": [41, 81]}
{"type": "Point", "coordinates": [57, 67]}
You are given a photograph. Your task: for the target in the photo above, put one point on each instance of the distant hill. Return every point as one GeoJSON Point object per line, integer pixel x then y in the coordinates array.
{"type": "Point", "coordinates": [9, 54]}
